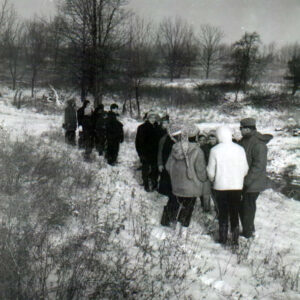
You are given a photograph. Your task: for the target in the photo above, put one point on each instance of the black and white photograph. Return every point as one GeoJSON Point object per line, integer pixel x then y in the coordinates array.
{"type": "Point", "coordinates": [149, 149]}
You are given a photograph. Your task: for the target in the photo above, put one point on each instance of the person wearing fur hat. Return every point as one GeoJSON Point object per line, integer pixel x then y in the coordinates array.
{"type": "Point", "coordinates": [255, 145]}
{"type": "Point", "coordinates": [227, 167]}
{"type": "Point", "coordinates": [70, 122]}
{"type": "Point", "coordinates": [187, 169]}
{"type": "Point", "coordinates": [146, 144]}
{"type": "Point", "coordinates": [114, 135]}
{"type": "Point", "coordinates": [164, 187]}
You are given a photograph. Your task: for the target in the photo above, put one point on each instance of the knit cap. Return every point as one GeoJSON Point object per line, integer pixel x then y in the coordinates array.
{"type": "Point", "coordinates": [212, 133]}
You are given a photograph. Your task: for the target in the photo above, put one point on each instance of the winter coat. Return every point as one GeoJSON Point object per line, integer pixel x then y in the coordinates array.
{"type": "Point", "coordinates": [114, 129]}
{"type": "Point", "coordinates": [80, 114]}
{"type": "Point", "coordinates": [256, 152]}
{"type": "Point", "coordinates": [164, 150]}
{"type": "Point", "coordinates": [182, 184]}
{"type": "Point", "coordinates": [227, 164]}
{"type": "Point", "coordinates": [70, 121]}
{"type": "Point", "coordinates": [146, 142]}
{"type": "Point", "coordinates": [206, 150]}
{"type": "Point", "coordinates": [100, 120]}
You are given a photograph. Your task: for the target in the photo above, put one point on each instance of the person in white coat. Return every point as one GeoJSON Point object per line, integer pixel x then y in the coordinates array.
{"type": "Point", "coordinates": [227, 167]}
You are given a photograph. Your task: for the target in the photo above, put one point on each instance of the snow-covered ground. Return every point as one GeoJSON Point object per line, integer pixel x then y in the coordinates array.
{"type": "Point", "coordinates": [264, 268]}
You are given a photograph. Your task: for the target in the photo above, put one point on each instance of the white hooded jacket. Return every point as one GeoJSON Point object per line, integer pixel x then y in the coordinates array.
{"type": "Point", "coordinates": [227, 164]}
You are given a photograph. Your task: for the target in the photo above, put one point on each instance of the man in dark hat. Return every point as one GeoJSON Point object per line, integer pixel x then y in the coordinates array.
{"type": "Point", "coordinates": [146, 144]}
{"type": "Point", "coordinates": [255, 145]}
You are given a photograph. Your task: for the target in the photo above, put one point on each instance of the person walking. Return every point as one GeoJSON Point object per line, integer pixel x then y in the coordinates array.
{"type": "Point", "coordinates": [146, 144]}
{"type": "Point", "coordinates": [255, 145]}
{"type": "Point", "coordinates": [70, 122]}
{"type": "Point", "coordinates": [114, 134]}
{"type": "Point", "coordinates": [227, 167]}
{"type": "Point", "coordinates": [187, 170]}
{"type": "Point", "coordinates": [80, 115]}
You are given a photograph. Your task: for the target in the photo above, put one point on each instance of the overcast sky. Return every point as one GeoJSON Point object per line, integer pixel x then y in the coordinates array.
{"type": "Point", "coordinates": [274, 20]}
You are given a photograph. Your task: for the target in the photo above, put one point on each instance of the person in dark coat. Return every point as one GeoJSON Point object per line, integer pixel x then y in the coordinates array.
{"type": "Point", "coordinates": [100, 118]}
{"type": "Point", "coordinates": [114, 134]}
{"type": "Point", "coordinates": [165, 187]}
{"type": "Point", "coordinates": [88, 130]}
{"type": "Point", "coordinates": [80, 114]}
{"type": "Point", "coordinates": [255, 145]}
{"type": "Point", "coordinates": [70, 122]}
{"type": "Point", "coordinates": [205, 199]}
{"type": "Point", "coordinates": [146, 144]}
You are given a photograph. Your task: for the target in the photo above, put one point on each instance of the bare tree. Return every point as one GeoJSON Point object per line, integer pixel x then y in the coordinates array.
{"type": "Point", "coordinates": [35, 48]}
{"type": "Point", "coordinates": [245, 61]}
{"type": "Point", "coordinates": [138, 57]}
{"type": "Point", "coordinates": [210, 39]}
{"type": "Point", "coordinates": [93, 29]}
{"type": "Point", "coordinates": [176, 42]}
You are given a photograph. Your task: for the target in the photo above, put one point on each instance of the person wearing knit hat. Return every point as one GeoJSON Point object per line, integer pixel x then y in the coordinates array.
{"type": "Point", "coordinates": [146, 144]}
{"type": "Point", "coordinates": [255, 145]}
{"type": "Point", "coordinates": [187, 169]}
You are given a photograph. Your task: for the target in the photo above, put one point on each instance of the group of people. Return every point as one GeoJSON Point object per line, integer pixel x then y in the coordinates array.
{"type": "Point", "coordinates": [97, 128]}
{"type": "Point", "coordinates": [185, 164]}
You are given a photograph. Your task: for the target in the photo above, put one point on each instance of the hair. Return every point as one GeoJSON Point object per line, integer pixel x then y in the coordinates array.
{"type": "Point", "coordinates": [193, 139]}
{"type": "Point", "coordinates": [113, 106]}
{"type": "Point", "coordinates": [85, 103]}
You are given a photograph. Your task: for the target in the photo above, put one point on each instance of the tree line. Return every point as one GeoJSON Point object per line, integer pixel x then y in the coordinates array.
{"type": "Point", "coordinates": [96, 44]}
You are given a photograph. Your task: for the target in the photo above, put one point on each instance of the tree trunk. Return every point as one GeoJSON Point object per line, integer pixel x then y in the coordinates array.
{"type": "Point", "coordinates": [33, 82]}
{"type": "Point", "coordinates": [137, 101]}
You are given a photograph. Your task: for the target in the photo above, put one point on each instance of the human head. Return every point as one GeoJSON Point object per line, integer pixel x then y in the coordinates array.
{"type": "Point", "coordinates": [202, 139]}
{"type": "Point", "coordinates": [224, 134]}
{"type": "Point", "coordinates": [100, 107]}
{"type": "Point", "coordinates": [86, 103]}
{"type": "Point", "coordinates": [174, 130]}
{"type": "Point", "coordinates": [151, 117]}
{"type": "Point", "coordinates": [164, 121]}
{"type": "Point", "coordinates": [212, 138]}
{"type": "Point", "coordinates": [114, 108]}
{"type": "Point", "coordinates": [248, 125]}
{"type": "Point", "coordinates": [71, 102]}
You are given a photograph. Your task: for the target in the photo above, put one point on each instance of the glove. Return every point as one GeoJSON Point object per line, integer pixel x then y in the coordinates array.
{"type": "Point", "coordinates": [160, 168]}
{"type": "Point", "coordinates": [80, 128]}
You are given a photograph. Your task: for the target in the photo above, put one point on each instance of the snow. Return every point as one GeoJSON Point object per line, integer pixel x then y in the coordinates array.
{"type": "Point", "coordinates": [255, 271]}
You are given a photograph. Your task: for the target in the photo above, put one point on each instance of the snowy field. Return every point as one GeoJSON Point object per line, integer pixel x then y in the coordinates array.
{"type": "Point", "coordinates": [267, 267]}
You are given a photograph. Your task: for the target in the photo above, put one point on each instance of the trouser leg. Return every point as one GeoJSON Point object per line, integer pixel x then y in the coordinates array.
{"type": "Point", "coordinates": [99, 143]}
{"type": "Point", "coordinates": [234, 199]}
{"type": "Point", "coordinates": [112, 152]}
{"type": "Point", "coordinates": [186, 210]}
{"type": "Point", "coordinates": [145, 174]}
{"type": "Point", "coordinates": [248, 210]}
{"type": "Point", "coordinates": [153, 175]}
{"type": "Point", "coordinates": [222, 201]}
{"type": "Point", "coordinates": [170, 211]}
{"type": "Point", "coordinates": [70, 137]}
{"type": "Point", "coordinates": [88, 141]}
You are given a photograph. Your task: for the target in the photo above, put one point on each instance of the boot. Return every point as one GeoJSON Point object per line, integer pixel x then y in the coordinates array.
{"type": "Point", "coordinates": [223, 231]}
{"type": "Point", "coordinates": [235, 236]}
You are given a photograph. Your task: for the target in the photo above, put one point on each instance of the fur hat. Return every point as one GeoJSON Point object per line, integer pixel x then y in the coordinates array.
{"type": "Point", "coordinates": [152, 113]}
{"type": "Point", "coordinates": [248, 122]}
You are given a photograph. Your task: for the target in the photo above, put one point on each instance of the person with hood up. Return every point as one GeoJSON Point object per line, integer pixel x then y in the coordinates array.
{"type": "Point", "coordinates": [187, 169]}
{"type": "Point", "coordinates": [114, 134]}
{"type": "Point", "coordinates": [255, 145]}
{"type": "Point", "coordinates": [70, 122]}
{"type": "Point", "coordinates": [164, 187]}
{"type": "Point", "coordinates": [146, 144]}
{"type": "Point", "coordinates": [227, 167]}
